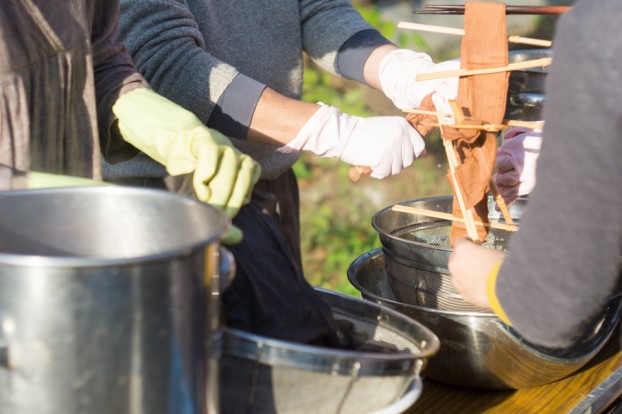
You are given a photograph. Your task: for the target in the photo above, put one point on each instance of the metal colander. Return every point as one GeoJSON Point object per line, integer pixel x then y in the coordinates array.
{"type": "Point", "coordinates": [477, 349]}
{"type": "Point", "coordinates": [417, 250]}
{"type": "Point", "coordinates": [263, 375]}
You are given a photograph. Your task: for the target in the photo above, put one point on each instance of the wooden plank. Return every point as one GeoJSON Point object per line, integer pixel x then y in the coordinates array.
{"type": "Point", "coordinates": [558, 397]}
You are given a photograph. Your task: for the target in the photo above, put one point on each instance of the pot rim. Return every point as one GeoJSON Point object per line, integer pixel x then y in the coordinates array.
{"type": "Point", "coordinates": [35, 261]}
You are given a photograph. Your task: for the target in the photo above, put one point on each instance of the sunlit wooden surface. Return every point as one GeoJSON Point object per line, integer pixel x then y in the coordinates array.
{"type": "Point", "coordinates": [596, 384]}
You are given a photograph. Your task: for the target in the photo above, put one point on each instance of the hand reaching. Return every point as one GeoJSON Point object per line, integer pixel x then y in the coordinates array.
{"type": "Point", "coordinates": [385, 144]}
{"type": "Point", "coordinates": [398, 72]}
{"type": "Point", "coordinates": [516, 163]}
{"type": "Point", "coordinates": [470, 266]}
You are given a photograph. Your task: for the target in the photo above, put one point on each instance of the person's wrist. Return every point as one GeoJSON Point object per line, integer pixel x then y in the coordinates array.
{"type": "Point", "coordinates": [318, 134]}
{"type": "Point", "coordinates": [397, 73]}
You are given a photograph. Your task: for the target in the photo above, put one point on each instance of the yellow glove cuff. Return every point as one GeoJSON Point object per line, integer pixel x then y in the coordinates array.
{"type": "Point", "coordinates": [46, 180]}
{"type": "Point", "coordinates": [492, 295]}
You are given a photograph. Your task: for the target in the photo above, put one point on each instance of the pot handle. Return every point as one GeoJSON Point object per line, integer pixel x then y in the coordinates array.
{"type": "Point", "coordinates": [4, 347]}
{"type": "Point", "coordinates": [529, 100]}
{"type": "Point", "coordinates": [227, 268]}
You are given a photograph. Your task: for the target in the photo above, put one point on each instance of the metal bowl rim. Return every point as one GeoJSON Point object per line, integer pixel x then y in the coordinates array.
{"type": "Point", "coordinates": [373, 362]}
{"type": "Point", "coordinates": [34, 261]}
{"type": "Point", "coordinates": [377, 252]}
{"type": "Point", "coordinates": [384, 233]}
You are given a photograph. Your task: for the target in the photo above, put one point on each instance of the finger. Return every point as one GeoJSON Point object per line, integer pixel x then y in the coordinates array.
{"type": "Point", "coordinates": [509, 194]}
{"type": "Point", "coordinates": [243, 186]}
{"type": "Point", "coordinates": [223, 182]}
{"type": "Point", "coordinates": [507, 179]}
{"type": "Point", "coordinates": [514, 132]}
{"type": "Point", "coordinates": [256, 176]}
{"type": "Point", "coordinates": [233, 236]}
{"type": "Point", "coordinates": [504, 163]}
{"type": "Point", "coordinates": [461, 241]}
{"type": "Point", "coordinates": [207, 162]}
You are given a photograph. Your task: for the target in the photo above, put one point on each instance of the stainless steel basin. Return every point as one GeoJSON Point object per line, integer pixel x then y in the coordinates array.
{"type": "Point", "coordinates": [477, 349]}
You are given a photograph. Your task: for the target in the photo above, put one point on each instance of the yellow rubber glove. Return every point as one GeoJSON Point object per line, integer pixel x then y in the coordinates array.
{"type": "Point", "coordinates": [46, 180]}
{"type": "Point", "coordinates": [176, 138]}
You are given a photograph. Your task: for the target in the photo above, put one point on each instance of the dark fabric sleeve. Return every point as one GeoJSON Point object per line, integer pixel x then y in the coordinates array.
{"type": "Point", "coordinates": [234, 110]}
{"type": "Point", "coordinates": [168, 48]}
{"type": "Point", "coordinates": [563, 264]}
{"type": "Point", "coordinates": [355, 51]}
{"type": "Point", "coordinates": [114, 74]}
{"type": "Point", "coordinates": [337, 37]}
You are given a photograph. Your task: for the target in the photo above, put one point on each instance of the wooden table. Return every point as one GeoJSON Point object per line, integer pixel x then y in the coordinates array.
{"type": "Point", "coordinates": [596, 388]}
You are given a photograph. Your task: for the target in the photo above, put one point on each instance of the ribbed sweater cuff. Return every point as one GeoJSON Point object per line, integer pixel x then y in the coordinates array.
{"type": "Point", "coordinates": [354, 52]}
{"type": "Point", "coordinates": [234, 110]}
{"type": "Point", "coordinates": [492, 295]}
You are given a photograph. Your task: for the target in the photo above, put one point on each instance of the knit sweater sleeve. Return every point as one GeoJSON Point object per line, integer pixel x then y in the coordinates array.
{"type": "Point", "coordinates": [169, 50]}
{"type": "Point", "coordinates": [563, 264]}
{"type": "Point", "coordinates": [336, 37]}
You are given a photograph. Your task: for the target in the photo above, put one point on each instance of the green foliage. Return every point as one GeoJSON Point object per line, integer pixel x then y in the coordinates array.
{"type": "Point", "coordinates": [402, 38]}
{"type": "Point", "coordinates": [336, 241]}
{"type": "Point", "coordinates": [319, 86]}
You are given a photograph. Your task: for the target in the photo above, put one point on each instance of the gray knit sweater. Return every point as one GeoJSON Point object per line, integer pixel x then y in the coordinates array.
{"type": "Point", "coordinates": [215, 57]}
{"type": "Point", "coordinates": [563, 264]}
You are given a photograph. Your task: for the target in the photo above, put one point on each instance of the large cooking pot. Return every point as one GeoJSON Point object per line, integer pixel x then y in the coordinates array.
{"type": "Point", "coordinates": [526, 88]}
{"type": "Point", "coordinates": [104, 293]}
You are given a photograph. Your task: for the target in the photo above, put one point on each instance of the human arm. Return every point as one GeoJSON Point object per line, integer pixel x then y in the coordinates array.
{"type": "Point", "coordinates": [157, 32]}
{"type": "Point", "coordinates": [562, 264]}
{"type": "Point", "coordinates": [367, 57]}
{"type": "Point", "coordinates": [177, 139]}
{"type": "Point", "coordinates": [137, 119]}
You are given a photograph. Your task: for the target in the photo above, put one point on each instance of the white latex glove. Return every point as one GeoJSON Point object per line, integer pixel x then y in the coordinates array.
{"type": "Point", "coordinates": [516, 163]}
{"type": "Point", "coordinates": [385, 144]}
{"type": "Point", "coordinates": [398, 72]}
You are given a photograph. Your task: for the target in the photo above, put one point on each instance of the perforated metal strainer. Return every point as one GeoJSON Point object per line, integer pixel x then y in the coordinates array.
{"type": "Point", "coordinates": [417, 250]}
{"type": "Point", "coordinates": [263, 375]}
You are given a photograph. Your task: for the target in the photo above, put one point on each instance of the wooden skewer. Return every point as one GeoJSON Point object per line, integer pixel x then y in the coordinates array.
{"type": "Point", "coordinates": [430, 28]}
{"type": "Point", "coordinates": [509, 9]}
{"type": "Point", "coordinates": [460, 32]}
{"type": "Point", "coordinates": [467, 214]}
{"type": "Point", "coordinates": [505, 122]}
{"type": "Point", "coordinates": [468, 217]}
{"type": "Point", "coordinates": [493, 186]}
{"type": "Point", "coordinates": [484, 127]}
{"type": "Point", "coordinates": [529, 41]}
{"type": "Point", "coordinates": [525, 124]}
{"type": "Point", "coordinates": [500, 202]}
{"type": "Point", "coordinates": [527, 64]}
{"type": "Point", "coordinates": [446, 216]}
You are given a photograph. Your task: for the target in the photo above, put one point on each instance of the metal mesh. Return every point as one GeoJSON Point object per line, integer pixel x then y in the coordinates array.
{"type": "Point", "coordinates": [436, 233]}
{"type": "Point", "coordinates": [248, 386]}
{"type": "Point", "coordinates": [289, 390]}
{"type": "Point", "coordinates": [416, 285]}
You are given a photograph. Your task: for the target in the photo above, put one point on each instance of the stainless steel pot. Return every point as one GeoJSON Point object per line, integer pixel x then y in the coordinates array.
{"type": "Point", "coordinates": [526, 90]}
{"type": "Point", "coordinates": [103, 301]}
{"type": "Point", "coordinates": [477, 349]}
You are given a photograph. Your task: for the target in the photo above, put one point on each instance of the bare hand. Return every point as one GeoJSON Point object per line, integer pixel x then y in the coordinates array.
{"type": "Point", "coordinates": [470, 266]}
